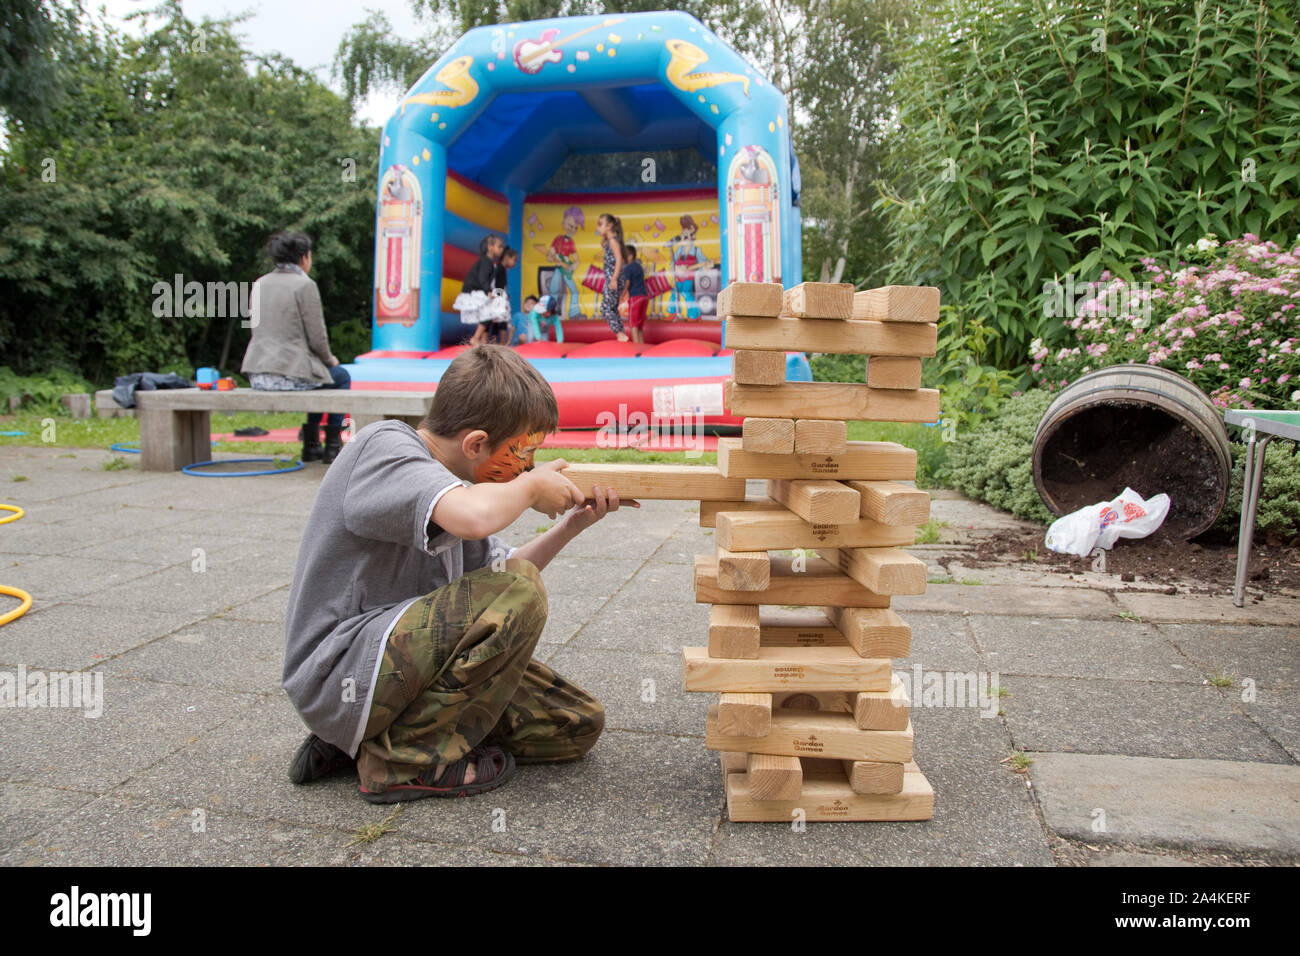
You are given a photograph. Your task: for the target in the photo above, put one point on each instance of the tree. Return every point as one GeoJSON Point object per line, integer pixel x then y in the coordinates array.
{"type": "Point", "coordinates": [176, 154]}
{"type": "Point", "coordinates": [1038, 139]}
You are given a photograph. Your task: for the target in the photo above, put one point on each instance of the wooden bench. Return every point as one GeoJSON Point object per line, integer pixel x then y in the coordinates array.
{"type": "Point", "coordinates": [175, 427]}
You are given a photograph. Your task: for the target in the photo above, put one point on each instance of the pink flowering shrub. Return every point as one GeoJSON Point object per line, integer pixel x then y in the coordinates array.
{"type": "Point", "coordinates": [1228, 319]}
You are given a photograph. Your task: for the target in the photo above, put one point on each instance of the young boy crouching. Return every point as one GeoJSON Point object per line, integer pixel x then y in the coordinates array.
{"type": "Point", "coordinates": [411, 625]}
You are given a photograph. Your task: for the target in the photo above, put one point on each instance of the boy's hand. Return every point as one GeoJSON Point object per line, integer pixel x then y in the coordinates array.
{"type": "Point", "coordinates": [596, 507]}
{"type": "Point", "coordinates": [553, 493]}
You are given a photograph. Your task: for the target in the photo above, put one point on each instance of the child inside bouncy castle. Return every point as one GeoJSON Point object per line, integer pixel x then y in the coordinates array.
{"type": "Point", "coordinates": [610, 230]}
{"type": "Point", "coordinates": [519, 324]}
{"type": "Point", "coordinates": [499, 332]}
{"type": "Point", "coordinates": [563, 251]}
{"type": "Point", "coordinates": [478, 303]}
{"type": "Point", "coordinates": [638, 301]}
{"type": "Point", "coordinates": [545, 311]}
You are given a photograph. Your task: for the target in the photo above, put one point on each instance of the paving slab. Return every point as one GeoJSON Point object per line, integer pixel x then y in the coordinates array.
{"type": "Point", "coordinates": [1111, 649]}
{"type": "Point", "coordinates": [243, 656]}
{"type": "Point", "coordinates": [1273, 609]}
{"type": "Point", "coordinates": [1269, 656]}
{"type": "Point", "coordinates": [53, 579]}
{"type": "Point", "coordinates": [639, 691]}
{"type": "Point", "coordinates": [1057, 714]}
{"type": "Point", "coordinates": [654, 612]}
{"type": "Point", "coordinates": [219, 586]}
{"type": "Point", "coordinates": [28, 808]}
{"type": "Point", "coordinates": [270, 607]}
{"type": "Point", "coordinates": [78, 636]}
{"type": "Point", "coordinates": [115, 831]}
{"type": "Point", "coordinates": [1007, 599]}
{"type": "Point", "coordinates": [942, 642]}
{"type": "Point", "coordinates": [142, 722]}
{"type": "Point", "coordinates": [1228, 805]}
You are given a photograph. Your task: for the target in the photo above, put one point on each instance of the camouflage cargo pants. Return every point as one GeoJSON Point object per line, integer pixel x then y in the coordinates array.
{"type": "Point", "coordinates": [457, 671]}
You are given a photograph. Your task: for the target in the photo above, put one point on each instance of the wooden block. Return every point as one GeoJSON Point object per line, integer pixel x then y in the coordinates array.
{"type": "Point", "coordinates": [827, 799]}
{"type": "Point", "coordinates": [820, 300]}
{"type": "Point", "coordinates": [782, 530]}
{"type": "Point", "coordinates": [733, 630]}
{"type": "Point", "coordinates": [801, 628]}
{"type": "Point", "coordinates": [898, 303]}
{"type": "Point", "coordinates": [773, 777]}
{"type": "Point", "coordinates": [881, 710]}
{"type": "Point", "coordinates": [817, 436]}
{"type": "Point", "coordinates": [890, 371]}
{"type": "Point", "coordinates": [734, 762]}
{"type": "Point", "coordinates": [666, 482]}
{"type": "Point", "coordinates": [891, 503]}
{"type": "Point", "coordinates": [847, 337]}
{"type": "Point", "coordinates": [750, 298]}
{"type": "Point", "coordinates": [817, 501]}
{"type": "Point", "coordinates": [841, 400]}
{"type": "Point", "coordinates": [767, 436]}
{"type": "Point", "coordinates": [818, 584]}
{"type": "Point", "coordinates": [810, 733]}
{"type": "Point", "coordinates": [709, 509]}
{"type": "Point", "coordinates": [743, 570]}
{"type": "Point", "coordinates": [869, 776]}
{"type": "Point", "coordinates": [870, 460]}
{"type": "Point", "coordinates": [781, 668]}
{"type": "Point", "coordinates": [743, 715]}
{"type": "Point", "coordinates": [883, 570]}
{"type": "Point", "coordinates": [871, 631]}
{"type": "Point", "coordinates": [758, 368]}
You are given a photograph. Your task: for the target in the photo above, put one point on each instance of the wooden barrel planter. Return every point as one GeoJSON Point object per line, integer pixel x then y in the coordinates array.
{"type": "Point", "coordinates": [1138, 426]}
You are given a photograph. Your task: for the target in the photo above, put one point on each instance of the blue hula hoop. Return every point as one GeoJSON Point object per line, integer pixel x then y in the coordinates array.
{"type": "Point", "coordinates": [12, 434]}
{"type": "Point", "coordinates": [123, 447]}
{"type": "Point", "coordinates": [196, 468]}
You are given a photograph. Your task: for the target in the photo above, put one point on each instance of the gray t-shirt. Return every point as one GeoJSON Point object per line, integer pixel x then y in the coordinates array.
{"type": "Point", "coordinates": [368, 551]}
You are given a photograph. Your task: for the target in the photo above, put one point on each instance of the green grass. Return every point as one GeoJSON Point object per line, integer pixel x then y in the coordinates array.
{"type": "Point", "coordinates": [373, 831]}
{"type": "Point", "coordinates": [1222, 680]}
{"type": "Point", "coordinates": [928, 533]}
{"type": "Point", "coordinates": [116, 463]}
{"type": "Point", "coordinates": [931, 452]}
{"type": "Point", "coordinates": [1128, 616]}
{"type": "Point", "coordinates": [1017, 762]}
{"type": "Point", "coordinates": [20, 478]}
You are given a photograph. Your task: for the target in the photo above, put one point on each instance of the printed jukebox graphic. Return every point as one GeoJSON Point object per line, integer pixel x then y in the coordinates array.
{"type": "Point", "coordinates": [397, 248]}
{"type": "Point", "coordinates": [754, 217]}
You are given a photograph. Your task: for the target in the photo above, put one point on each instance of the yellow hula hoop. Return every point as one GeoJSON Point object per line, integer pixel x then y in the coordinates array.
{"type": "Point", "coordinates": [21, 609]}
{"type": "Point", "coordinates": [19, 593]}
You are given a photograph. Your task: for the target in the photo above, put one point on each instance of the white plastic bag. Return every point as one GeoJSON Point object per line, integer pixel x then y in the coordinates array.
{"type": "Point", "coordinates": [1100, 525]}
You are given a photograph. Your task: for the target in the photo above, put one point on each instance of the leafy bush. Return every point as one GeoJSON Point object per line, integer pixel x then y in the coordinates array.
{"type": "Point", "coordinates": [827, 367]}
{"type": "Point", "coordinates": [40, 394]}
{"type": "Point", "coordinates": [1229, 320]}
{"type": "Point", "coordinates": [993, 461]}
{"type": "Point", "coordinates": [927, 440]}
{"type": "Point", "coordinates": [1039, 139]}
{"type": "Point", "coordinates": [1279, 498]}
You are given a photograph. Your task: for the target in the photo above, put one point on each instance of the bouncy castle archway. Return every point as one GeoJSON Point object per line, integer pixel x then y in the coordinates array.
{"type": "Point", "coordinates": [477, 138]}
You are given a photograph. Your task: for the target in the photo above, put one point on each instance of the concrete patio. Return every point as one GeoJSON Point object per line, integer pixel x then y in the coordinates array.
{"type": "Point", "coordinates": [173, 588]}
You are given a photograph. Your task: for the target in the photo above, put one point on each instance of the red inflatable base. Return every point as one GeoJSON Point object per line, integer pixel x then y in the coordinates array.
{"type": "Point", "coordinates": [622, 404]}
{"type": "Point", "coordinates": [656, 331]}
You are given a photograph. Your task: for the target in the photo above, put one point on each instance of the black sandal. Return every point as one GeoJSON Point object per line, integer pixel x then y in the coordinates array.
{"type": "Point", "coordinates": [493, 767]}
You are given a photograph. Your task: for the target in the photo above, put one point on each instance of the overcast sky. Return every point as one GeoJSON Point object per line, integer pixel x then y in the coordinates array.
{"type": "Point", "coordinates": [306, 31]}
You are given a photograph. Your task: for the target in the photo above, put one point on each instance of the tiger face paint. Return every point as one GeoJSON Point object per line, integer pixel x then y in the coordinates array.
{"type": "Point", "coordinates": [511, 459]}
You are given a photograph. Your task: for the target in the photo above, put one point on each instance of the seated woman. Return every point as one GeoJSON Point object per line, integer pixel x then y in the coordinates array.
{"type": "Point", "coordinates": [290, 349]}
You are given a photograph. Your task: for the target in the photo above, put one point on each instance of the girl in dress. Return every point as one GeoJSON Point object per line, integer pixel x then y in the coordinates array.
{"type": "Point", "coordinates": [610, 230]}
{"type": "Point", "coordinates": [476, 303]}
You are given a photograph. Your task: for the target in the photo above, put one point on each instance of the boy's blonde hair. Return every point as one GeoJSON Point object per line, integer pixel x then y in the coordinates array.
{"type": "Point", "coordinates": [492, 387]}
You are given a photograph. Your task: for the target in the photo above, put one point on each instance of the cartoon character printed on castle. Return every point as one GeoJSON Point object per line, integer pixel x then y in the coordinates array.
{"type": "Point", "coordinates": [687, 259]}
{"type": "Point", "coordinates": [563, 251]}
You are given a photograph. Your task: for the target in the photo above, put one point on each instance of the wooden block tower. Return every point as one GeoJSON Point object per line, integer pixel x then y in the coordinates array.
{"type": "Point", "coordinates": [811, 717]}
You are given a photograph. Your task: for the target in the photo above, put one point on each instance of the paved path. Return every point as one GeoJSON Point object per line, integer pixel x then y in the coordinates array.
{"type": "Point", "coordinates": [173, 589]}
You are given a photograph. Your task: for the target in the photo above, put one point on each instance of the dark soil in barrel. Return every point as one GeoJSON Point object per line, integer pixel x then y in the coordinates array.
{"type": "Point", "coordinates": [1097, 452]}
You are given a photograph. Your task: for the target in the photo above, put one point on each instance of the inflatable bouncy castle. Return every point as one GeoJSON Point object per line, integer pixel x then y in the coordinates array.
{"type": "Point", "coordinates": [473, 148]}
